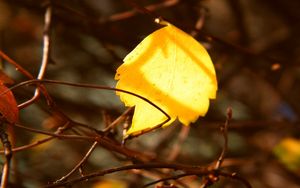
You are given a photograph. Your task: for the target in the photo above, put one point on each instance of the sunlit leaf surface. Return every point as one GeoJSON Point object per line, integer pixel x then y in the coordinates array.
{"type": "Point", "coordinates": [174, 71]}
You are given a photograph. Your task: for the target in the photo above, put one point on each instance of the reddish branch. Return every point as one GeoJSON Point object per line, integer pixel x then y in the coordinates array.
{"type": "Point", "coordinates": [45, 58]}
{"type": "Point", "coordinates": [189, 171]}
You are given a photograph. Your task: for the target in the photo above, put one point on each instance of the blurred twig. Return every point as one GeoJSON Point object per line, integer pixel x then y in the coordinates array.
{"type": "Point", "coordinates": [175, 151]}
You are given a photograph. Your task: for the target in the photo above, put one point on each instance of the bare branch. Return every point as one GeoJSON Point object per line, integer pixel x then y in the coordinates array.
{"type": "Point", "coordinates": [79, 165]}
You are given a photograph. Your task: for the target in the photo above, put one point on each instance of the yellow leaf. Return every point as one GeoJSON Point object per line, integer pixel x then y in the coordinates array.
{"type": "Point", "coordinates": [110, 183]}
{"type": "Point", "coordinates": [288, 152]}
{"type": "Point", "coordinates": [172, 70]}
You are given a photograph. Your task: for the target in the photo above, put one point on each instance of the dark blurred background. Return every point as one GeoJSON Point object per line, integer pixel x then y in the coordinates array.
{"type": "Point", "coordinates": [255, 46]}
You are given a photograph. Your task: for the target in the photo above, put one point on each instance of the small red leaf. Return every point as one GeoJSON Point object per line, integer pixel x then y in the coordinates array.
{"type": "Point", "coordinates": [8, 105]}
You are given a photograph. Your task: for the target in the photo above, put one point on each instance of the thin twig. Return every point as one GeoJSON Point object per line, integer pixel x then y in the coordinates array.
{"type": "Point", "coordinates": [28, 75]}
{"type": "Point", "coordinates": [46, 43]}
{"type": "Point", "coordinates": [7, 153]}
{"type": "Point", "coordinates": [234, 176]}
{"type": "Point", "coordinates": [5, 174]}
{"type": "Point", "coordinates": [43, 65]}
{"type": "Point", "coordinates": [176, 150]}
{"type": "Point", "coordinates": [149, 10]}
{"type": "Point", "coordinates": [169, 178]}
{"type": "Point", "coordinates": [118, 120]}
{"type": "Point", "coordinates": [81, 125]}
{"type": "Point", "coordinates": [45, 58]}
{"type": "Point", "coordinates": [58, 135]}
{"type": "Point", "coordinates": [224, 130]}
{"type": "Point", "coordinates": [214, 176]}
{"type": "Point", "coordinates": [31, 145]}
{"type": "Point", "coordinates": [93, 86]}
{"type": "Point", "coordinates": [188, 169]}
{"type": "Point", "coordinates": [15, 64]}
{"type": "Point", "coordinates": [104, 141]}
{"type": "Point", "coordinates": [245, 51]}
{"type": "Point", "coordinates": [79, 164]}
{"type": "Point", "coordinates": [141, 9]}
{"type": "Point", "coordinates": [157, 175]}
{"type": "Point", "coordinates": [59, 130]}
